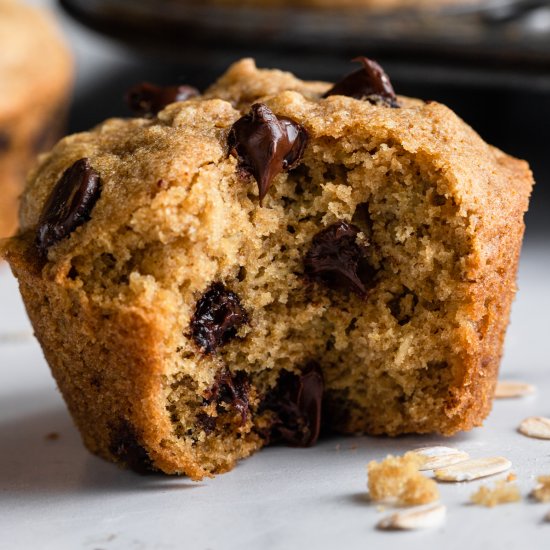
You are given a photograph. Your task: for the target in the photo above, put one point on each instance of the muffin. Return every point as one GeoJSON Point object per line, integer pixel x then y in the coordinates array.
{"type": "Point", "coordinates": [35, 79]}
{"type": "Point", "coordinates": [269, 260]}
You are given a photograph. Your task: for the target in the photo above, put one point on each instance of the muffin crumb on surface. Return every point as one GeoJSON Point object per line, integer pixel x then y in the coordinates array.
{"type": "Point", "coordinates": [397, 480]}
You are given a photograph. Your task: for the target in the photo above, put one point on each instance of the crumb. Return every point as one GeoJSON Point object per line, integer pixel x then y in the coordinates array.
{"type": "Point", "coordinates": [338, 447]}
{"type": "Point", "coordinates": [380, 508]}
{"type": "Point", "coordinates": [511, 476]}
{"type": "Point", "coordinates": [542, 491]}
{"type": "Point", "coordinates": [503, 492]}
{"type": "Point", "coordinates": [354, 447]}
{"type": "Point", "coordinates": [52, 436]}
{"type": "Point", "coordinates": [398, 479]}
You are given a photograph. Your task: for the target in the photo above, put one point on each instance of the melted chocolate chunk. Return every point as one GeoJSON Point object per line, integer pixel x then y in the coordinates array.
{"type": "Point", "coordinates": [147, 99]}
{"type": "Point", "coordinates": [336, 259]}
{"type": "Point", "coordinates": [217, 317]}
{"type": "Point", "coordinates": [126, 447]}
{"type": "Point", "coordinates": [296, 404]}
{"type": "Point", "coordinates": [232, 390]}
{"type": "Point", "coordinates": [371, 83]}
{"type": "Point", "coordinates": [266, 145]}
{"type": "Point", "coordinates": [69, 204]}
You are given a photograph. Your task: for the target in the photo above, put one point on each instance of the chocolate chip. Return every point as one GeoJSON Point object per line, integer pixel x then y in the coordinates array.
{"type": "Point", "coordinates": [370, 83]}
{"type": "Point", "coordinates": [147, 99]}
{"type": "Point", "coordinates": [125, 447]}
{"type": "Point", "coordinates": [217, 317]}
{"type": "Point", "coordinates": [336, 259]}
{"type": "Point", "coordinates": [232, 390]}
{"type": "Point", "coordinates": [5, 141]}
{"type": "Point", "coordinates": [266, 145]}
{"type": "Point", "coordinates": [69, 204]}
{"type": "Point", "coordinates": [296, 404]}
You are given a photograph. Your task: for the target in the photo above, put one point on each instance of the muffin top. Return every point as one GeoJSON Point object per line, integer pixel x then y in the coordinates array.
{"type": "Point", "coordinates": [190, 137]}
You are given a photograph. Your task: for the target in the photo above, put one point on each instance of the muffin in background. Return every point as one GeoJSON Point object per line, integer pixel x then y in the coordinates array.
{"type": "Point", "coordinates": [36, 71]}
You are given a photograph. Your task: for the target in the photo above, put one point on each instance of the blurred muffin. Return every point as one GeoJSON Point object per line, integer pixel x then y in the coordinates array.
{"type": "Point", "coordinates": [35, 79]}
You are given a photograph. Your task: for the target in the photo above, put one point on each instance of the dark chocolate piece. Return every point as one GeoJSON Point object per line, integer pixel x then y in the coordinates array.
{"type": "Point", "coordinates": [266, 145]}
{"type": "Point", "coordinates": [232, 390]}
{"type": "Point", "coordinates": [296, 403]}
{"type": "Point", "coordinates": [147, 99]}
{"type": "Point", "coordinates": [69, 204]}
{"type": "Point", "coordinates": [217, 317]}
{"type": "Point", "coordinates": [336, 259]}
{"type": "Point", "coordinates": [125, 447]}
{"type": "Point", "coordinates": [370, 83]}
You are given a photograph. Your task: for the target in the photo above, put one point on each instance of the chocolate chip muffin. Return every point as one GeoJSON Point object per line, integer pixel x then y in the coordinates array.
{"type": "Point", "coordinates": [35, 77]}
{"type": "Point", "coordinates": [268, 260]}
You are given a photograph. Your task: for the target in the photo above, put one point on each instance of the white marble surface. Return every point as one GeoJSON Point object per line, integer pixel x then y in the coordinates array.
{"type": "Point", "coordinates": [54, 495]}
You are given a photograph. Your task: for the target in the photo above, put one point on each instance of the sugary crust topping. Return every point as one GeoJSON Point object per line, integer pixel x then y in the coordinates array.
{"type": "Point", "coordinates": [502, 492]}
